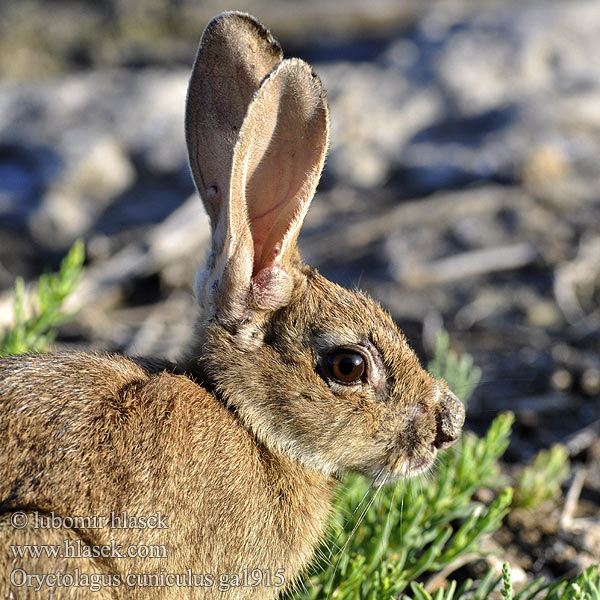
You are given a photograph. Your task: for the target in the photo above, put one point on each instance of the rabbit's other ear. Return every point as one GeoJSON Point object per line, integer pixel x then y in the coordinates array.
{"type": "Point", "coordinates": [235, 54]}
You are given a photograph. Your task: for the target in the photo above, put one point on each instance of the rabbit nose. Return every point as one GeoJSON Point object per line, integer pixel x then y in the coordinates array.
{"type": "Point", "coordinates": [450, 419]}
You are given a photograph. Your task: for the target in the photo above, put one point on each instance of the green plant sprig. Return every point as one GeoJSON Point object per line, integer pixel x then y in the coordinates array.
{"type": "Point", "coordinates": [39, 312]}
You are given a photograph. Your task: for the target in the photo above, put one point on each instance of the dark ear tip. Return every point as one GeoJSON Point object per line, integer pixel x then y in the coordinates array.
{"type": "Point", "coordinates": [234, 20]}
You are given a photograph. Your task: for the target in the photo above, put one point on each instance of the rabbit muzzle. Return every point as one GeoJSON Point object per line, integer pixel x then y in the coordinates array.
{"type": "Point", "coordinates": [426, 427]}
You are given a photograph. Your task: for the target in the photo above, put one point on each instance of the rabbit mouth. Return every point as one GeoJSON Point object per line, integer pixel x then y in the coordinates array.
{"type": "Point", "coordinates": [406, 467]}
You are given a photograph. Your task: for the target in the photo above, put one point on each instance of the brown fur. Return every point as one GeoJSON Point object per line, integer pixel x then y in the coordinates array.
{"type": "Point", "coordinates": [106, 435]}
{"type": "Point", "coordinates": [239, 445]}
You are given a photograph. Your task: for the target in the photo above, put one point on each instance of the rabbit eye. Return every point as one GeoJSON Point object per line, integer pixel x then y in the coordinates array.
{"type": "Point", "coordinates": [347, 366]}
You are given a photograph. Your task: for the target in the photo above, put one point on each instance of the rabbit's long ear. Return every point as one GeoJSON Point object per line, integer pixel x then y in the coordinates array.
{"type": "Point", "coordinates": [235, 54]}
{"type": "Point", "coordinates": [277, 164]}
{"type": "Point", "coordinates": [256, 173]}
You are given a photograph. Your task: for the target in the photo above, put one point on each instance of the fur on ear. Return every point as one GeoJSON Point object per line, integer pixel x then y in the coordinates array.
{"type": "Point", "coordinates": [256, 151]}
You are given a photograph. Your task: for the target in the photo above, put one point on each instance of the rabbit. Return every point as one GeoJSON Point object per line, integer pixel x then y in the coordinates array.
{"type": "Point", "coordinates": [214, 475]}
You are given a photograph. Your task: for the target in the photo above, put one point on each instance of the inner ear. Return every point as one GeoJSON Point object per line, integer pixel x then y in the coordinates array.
{"type": "Point", "coordinates": [235, 54]}
{"type": "Point", "coordinates": [279, 189]}
{"type": "Point", "coordinates": [280, 158]}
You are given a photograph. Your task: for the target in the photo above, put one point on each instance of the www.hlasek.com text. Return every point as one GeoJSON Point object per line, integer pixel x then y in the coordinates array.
{"type": "Point", "coordinates": [79, 549]}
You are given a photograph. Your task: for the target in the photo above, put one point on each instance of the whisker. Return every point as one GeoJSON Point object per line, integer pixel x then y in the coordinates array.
{"type": "Point", "coordinates": [374, 482]}
{"type": "Point", "coordinates": [385, 479]}
{"type": "Point", "coordinates": [390, 509]}
{"type": "Point", "coordinates": [402, 513]}
{"type": "Point", "coordinates": [362, 516]}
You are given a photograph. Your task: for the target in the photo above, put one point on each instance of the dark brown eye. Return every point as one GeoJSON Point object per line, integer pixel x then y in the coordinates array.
{"type": "Point", "coordinates": [346, 366]}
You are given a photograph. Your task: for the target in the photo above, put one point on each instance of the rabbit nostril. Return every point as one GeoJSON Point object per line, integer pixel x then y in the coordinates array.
{"type": "Point", "coordinates": [450, 420]}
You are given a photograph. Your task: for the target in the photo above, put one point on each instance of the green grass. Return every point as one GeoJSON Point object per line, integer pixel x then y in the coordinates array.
{"type": "Point", "coordinates": [541, 480]}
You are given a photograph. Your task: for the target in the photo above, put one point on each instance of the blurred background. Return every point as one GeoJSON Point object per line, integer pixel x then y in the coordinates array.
{"type": "Point", "coordinates": [462, 189]}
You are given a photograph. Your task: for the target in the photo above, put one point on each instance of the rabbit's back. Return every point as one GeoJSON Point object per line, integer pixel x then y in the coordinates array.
{"type": "Point", "coordinates": [92, 414]}
{"type": "Point", "coordinates": [100, 435]}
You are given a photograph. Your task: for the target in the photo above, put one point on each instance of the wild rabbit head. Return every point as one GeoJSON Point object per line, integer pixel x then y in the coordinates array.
{"type": "Point", "coordinates": [314, 370]}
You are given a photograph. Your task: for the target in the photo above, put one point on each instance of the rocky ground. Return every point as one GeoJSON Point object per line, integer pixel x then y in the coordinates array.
{"type": "Point", "coordinates": [462, 190]}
